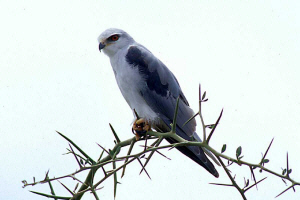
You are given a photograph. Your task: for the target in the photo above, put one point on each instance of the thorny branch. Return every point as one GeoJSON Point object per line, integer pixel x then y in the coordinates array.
{"type": "Point", "coordinates": [85, 162]}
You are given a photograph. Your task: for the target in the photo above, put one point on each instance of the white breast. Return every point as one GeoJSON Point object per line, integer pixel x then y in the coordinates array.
{"type": "Point", "coordinates": [130, 83]}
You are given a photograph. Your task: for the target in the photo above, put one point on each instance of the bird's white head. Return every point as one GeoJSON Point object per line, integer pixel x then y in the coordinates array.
{"type": "Point", "coordinates": [112, 40]}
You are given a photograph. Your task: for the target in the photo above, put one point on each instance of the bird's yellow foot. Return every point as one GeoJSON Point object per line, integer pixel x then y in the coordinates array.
{"type": "Point", "coordinates": [140, 127]}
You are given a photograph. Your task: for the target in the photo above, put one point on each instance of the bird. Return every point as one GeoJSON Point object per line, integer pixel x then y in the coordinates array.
{"type": "Point", "coordinates": [152, 90]}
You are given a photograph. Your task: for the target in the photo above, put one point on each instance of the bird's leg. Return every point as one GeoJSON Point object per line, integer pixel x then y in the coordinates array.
{"type": "Point", "coordinates": [140, 127]}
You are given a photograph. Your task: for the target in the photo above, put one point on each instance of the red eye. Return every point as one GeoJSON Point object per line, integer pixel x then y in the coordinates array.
{"type": "Point", "coordinates": [114, 37]}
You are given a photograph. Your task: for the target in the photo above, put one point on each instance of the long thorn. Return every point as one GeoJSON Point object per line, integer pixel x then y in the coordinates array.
{"type": "Point", "coordinates": [284, 191]}
{"type": "Point", "coordinates": [50, 196]}
{"type": "Point", "coordinates": [254, 184]}
{"type": "Point", "coordinates": [175, 117]}
{"type": "Point", "coordinates": [79, 149]}
{"type": "Point", "coordinates": [66, 188]}
{"type": "Point", "coordinates": [115, 134]}
{"type": "Point", "coordinates": [162, 155]}
{"type": "Point", "coordinates": [100, 155]}
{"type": "Point", "coordinates": [51, 189]}
{"type": "Point", "coordinates": [195, 115]}
{"type": "Point", "coordinates": [115, 180]}
{"type": "Point", "coordinates": [222, 184]}
{"type": "Point", "coordinates": [253, 175]}
{"type": "Point", "coordinates": [262, 160]}
{"type": "Point", "coordinates": [136, 115]}
{"type": "Point", "coordinates": [151, 154]}
{"type": "Point", "coordinates": [103, 149]}
{"type": "Point", "coordinates": [287, 165]}
{"type": "Point", "coordinates": [129, 151]}
{"type": "Point", "coordinates": [143, 167]}
{"type": "Point", "coordinates": [75, 157]}
{"type": "Point", "coordinates": [201, 117]}
{"type": "Point", "coordinates": [215, 126]}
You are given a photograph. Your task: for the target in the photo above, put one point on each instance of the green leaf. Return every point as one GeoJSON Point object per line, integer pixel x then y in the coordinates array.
{"type": "Point", "coordinates": [289, 171]}
{"type": "Point", "coordinates": [87, 161]}
{"type": "Point", "coordinates": [238, 152]}
{"type": "Point", "coordinates": [247, 183]}
{"type": "Point", "coordinates": [266, 160]}
{"type": "Point", "coordinates": [283, 172]}
{"type": "Point", "coordinates": [204, 94]}
{"type": "Point", "coordinates": [210, 126]}
{"type": "Point", "coordinates": [223, 148]}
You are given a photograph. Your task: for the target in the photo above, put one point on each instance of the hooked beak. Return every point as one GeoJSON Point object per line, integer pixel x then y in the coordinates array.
{"type": "Point", "coordinates": [101, 46]}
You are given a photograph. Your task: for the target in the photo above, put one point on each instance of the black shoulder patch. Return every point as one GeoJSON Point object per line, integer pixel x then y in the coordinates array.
{"type": "Point", "coordinates": [136, 58]}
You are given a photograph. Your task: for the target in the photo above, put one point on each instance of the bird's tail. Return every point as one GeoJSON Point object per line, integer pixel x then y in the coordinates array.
{"type": "Point", "coordinates": [196, 153]}
{"type": "Point", "coordinates": [208, 153]}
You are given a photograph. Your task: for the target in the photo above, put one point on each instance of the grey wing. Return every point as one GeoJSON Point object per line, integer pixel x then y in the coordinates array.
{"type": "Point", "coordinates": [162, 88]}
{"type": "Point", "coordinates": [161, 95]}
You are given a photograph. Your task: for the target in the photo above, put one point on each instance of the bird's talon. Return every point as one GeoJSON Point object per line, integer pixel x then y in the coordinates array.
{"type": "Point", "coordinates": [140, 127]}
{"type": "Point", "coordinates": [137, 137]}
{"type": "Point", "coordinates": [146, 127]}
{"type": "Point", "coordinates": [139, 121]}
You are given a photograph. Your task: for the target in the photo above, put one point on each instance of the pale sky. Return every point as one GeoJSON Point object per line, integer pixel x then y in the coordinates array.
{"type": "Point", "coordinates": [244, 54]}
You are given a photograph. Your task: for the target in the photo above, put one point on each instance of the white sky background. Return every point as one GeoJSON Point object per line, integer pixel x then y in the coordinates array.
{"type": "Point", "coordinates": [52, 77]}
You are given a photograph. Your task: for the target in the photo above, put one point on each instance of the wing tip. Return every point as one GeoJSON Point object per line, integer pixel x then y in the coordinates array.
{"type": "Point", "coordinates": [215, 173]}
